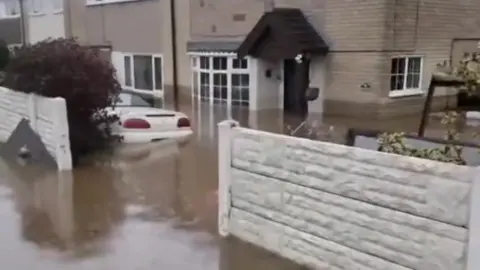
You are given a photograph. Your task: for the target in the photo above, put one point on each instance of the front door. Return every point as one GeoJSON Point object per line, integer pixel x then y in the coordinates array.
{"type": "Point", "coordinates": [289, 99]}
{"type": "Point", "coordinates": [296, 80]}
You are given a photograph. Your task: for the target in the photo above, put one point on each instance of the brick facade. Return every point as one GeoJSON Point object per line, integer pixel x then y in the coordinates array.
{"type": "Point", "coordinates": [363, 36]}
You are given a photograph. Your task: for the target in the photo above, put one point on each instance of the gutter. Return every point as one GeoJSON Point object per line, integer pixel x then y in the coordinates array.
{"type": "Point", "coordinates": [173, 25]}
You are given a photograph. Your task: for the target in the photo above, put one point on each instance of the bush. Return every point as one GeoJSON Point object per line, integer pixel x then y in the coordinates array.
{"type": "Point", "coordinates": [467, 72]}
{"type": "Point", "coordinates": [63, 68]}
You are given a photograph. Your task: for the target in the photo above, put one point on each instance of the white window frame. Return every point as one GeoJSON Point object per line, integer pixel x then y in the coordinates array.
{"type": "Point", "coordinates": [195, 64]}
{"type": "Point", "coordinates": [407, 91]}
{"type": "Point", "coordinates": [106, 2]}
{"type": "Point", "coordinates": [55, 9]}
{"type": "Point", "coordinates": [41, 7]}
{"type": "Point", "coordinates": [3, 10]}
{"type": "Point", "coordinates": [156, 91]}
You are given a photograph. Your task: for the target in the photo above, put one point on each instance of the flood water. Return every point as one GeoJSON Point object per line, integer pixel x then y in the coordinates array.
{"type": "Point", "coordinates": [147, 208]}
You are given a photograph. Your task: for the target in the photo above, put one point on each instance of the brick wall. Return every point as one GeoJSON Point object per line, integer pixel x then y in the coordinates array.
{"type": "Point", "coordinates": [363, 36]}
{"type": "Point", "coordinates": [330, 206]}
{"type": "Point", "coordinates": [47, 116]}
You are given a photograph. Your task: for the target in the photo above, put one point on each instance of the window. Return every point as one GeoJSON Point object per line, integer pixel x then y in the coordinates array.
{"type": "Point", "coordinates": [35, 6]}
{"type": "Point", "coordinates": [240, 89]}
{"type": "Point", "coordinates": [219, 63]}
{"type": "Point", "coordinates": [204, 85]}
{"type": "Point", "coordinates": [127, 69]}
{"type": "Point", "coordinates": [406, 75]}
{"type": "Point", "coordinates": [9, 8]}
{"type": "Point", "coordinates": [57, 5]}
{"type": "Point", "coordinates": [143, 72]}
{"type": "Point", "coordinates": [240, 63]}
{"type": "Point", "coordinates": [204, 62]}
{"type": "Point", "coordinates": [220, 87]}
{"type": "Point", "coordinates": [221, 78]}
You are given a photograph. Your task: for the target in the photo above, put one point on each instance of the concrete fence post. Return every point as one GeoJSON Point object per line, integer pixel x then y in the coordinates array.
{"type": "Point", "coordinates": [225, 135]}
{"type": "Point", "coordinates": [62, 134]}
{"type": "Point", "coordinates": [32, 111]}
{"type": "Point", "coordinates": [473, 249]}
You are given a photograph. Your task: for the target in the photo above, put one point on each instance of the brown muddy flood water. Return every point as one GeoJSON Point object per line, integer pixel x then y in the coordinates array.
{"type": "Point", "coordinates": [148, 208]}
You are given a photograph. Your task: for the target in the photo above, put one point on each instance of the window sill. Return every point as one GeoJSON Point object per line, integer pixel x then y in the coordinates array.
{"type": "Point", "coordinates": [106, 2]}
{"type": "Point", "coordinates": [155, 93]}
{"type": "Point", "coordinates": [10, 17]}
{"type": "Point", "coordinates": [406, 93]}
{"type": "Point", "coordinates": [36, 14]}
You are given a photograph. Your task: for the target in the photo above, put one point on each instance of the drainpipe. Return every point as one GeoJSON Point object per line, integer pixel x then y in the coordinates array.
{"type": "Point", "coordinates": [67, 18]}
{"type": "Point", "coordinates": [173, 25]}
{"type": "Point", "coordinates": [23, 23]}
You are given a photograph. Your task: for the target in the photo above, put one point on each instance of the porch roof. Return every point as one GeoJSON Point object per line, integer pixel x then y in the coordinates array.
{"type": "Point", "coordinates": [227, 46]}
{"type": "Point", "coordinates": [282, 33]}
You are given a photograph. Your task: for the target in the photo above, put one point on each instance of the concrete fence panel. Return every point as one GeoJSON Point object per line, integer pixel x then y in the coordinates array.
{"type": "Point", "coordinates": [331, 206]}
{"type": "Point", "coordinates": [47, 117]}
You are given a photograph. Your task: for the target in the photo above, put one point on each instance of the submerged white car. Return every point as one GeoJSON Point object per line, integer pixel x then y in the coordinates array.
{"type": "Point", "coordinates": [141, 122]}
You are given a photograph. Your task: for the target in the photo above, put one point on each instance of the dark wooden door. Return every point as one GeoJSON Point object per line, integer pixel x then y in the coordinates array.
{"type": "Point", "coordinates": [296, 81]}
{"type": "Point", "coordinates": [289, 98]}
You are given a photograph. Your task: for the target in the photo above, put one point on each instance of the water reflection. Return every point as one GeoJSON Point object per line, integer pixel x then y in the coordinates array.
{"type": "Point", "coordinates": [97, 208]}
{"type": "Point", "coordinates": [158, 200]}
{"type": "Point", "coordinates": [66, 211]}
{"type": "Point", "coordinates": [238, 255]}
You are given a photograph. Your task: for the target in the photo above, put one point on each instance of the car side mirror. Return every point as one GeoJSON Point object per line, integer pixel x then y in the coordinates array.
{"type": "Point", "coordinates": [312, 93]}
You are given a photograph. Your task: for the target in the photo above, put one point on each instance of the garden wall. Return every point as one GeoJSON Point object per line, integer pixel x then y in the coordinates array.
{"type": "Point", "coordinates": [47, 117]}
{"type": "Point", "coordinates": [331, 206]}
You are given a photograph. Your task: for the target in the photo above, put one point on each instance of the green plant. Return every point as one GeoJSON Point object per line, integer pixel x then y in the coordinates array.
{"type": "Point", "coordinates": [467, 71]}
{"type": "Point", "coordinates": [64, 68]}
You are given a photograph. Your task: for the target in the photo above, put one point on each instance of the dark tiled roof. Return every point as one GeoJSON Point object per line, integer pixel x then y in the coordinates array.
{"type": "Point", "coordinates": [10, 30]}
{"type": "Point", "coordinates": [280, 34]}
{"type": "Point", "coordinates": [213, 46]}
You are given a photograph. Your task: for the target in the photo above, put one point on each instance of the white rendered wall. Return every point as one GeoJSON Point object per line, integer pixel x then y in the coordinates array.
{"type": "Point", "coordinates": [49, 23]}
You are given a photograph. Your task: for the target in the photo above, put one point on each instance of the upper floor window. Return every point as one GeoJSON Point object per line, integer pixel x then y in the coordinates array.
{"type": "Point", "coordinates": [57, 5]}
{"type": "Point", "coordinates": [9, 8]}
{"type": "Point", "coordinates": [406, 75]}
{"type": "Point", "coordinates": [36, 6]}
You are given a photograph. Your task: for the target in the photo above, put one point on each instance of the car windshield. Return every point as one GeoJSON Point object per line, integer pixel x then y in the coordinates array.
{"type": "Point", "coordinates": [132, 100]}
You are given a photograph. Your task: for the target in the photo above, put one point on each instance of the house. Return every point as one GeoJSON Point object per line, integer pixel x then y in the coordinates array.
{"type": "Point", "coordinates": [144, 46]}
{"type": "Point", "coordinates": [372, 58]}
{"type": "Point", "coordinates": [368, 58]}
{"type": "Point", "coordinates": [43, 19]}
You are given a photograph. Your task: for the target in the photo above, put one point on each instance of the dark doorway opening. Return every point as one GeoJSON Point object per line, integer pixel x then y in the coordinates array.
{"type": "Point", "coordinates": [288, 85]}
{"type": "Point", "coordinates": [296, 80]}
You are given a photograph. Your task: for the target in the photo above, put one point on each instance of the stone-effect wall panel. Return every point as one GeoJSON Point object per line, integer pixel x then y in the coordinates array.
{"type": "Point", "coordinates": [331, 206]}
{"type": "Point", "coordinates": [408, 240]}
{"type": "Point", "coordinates": [412, 185]}
{"type": "Point", "coordinates": [47, 116]}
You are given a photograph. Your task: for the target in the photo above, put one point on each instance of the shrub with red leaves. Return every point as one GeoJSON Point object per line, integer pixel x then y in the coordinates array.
{"type": "Point", "coordinates": [64, 68]}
